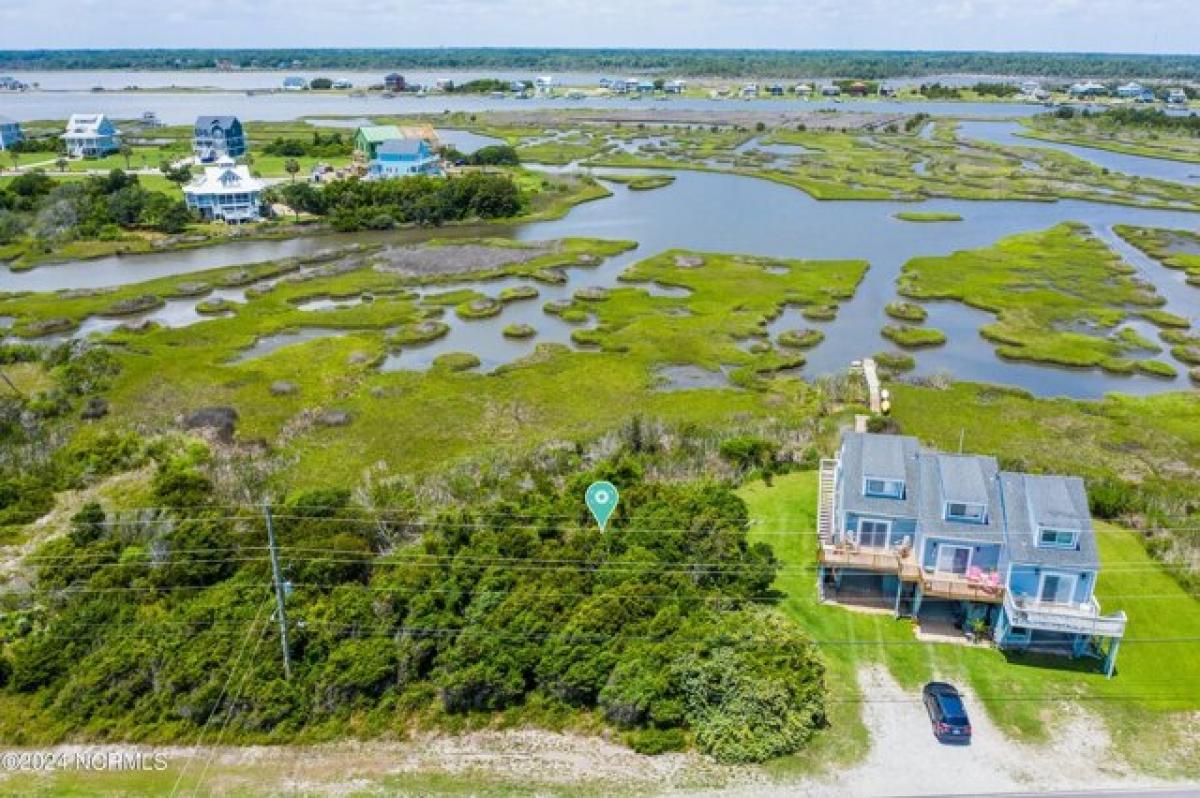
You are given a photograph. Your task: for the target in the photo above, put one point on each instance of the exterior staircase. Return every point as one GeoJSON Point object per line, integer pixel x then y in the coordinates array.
{"type": "Point", "coordinates": [826, 486]}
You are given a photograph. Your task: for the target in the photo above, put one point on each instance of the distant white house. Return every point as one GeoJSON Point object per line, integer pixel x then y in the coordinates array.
{"type": "Point", "coordinates": [750, 90]}
{"type": "Point", "coordinates": [674, 87]}
{"type": "Point", "coordinates": [91, 136]}
{"type": "Point", "coordinates": [226, 192]}
{"type": "Point", "coordinates": [295, 83]}
{"type": "Point", "coordinates": [543, 84]}
{"type": "Point", "coordinates": [803, 90]}
{"type": "Point", "coordinates": [1088, 89]}
{"type": "Point", "coordinates": [1177, 97]}
{"type": "Point", "coordinates": [10, 132]}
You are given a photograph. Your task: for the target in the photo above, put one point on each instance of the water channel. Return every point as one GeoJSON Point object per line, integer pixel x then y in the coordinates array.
{"type": "Point", "coordinates": [725, 213]}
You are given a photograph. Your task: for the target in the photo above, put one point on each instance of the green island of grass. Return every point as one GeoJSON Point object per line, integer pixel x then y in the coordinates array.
{"type": "Point", "coordinates": [641, 182]}
{"type": "Point", "coordinates": [456, 361]}
{"type": "Point", "coordinates": [913, 337]}
{"type": "Point", "coordinates": [1175, 249]}
{"type": "Point", "coordinates": [519, 331]}
{"type": "Point", "coordinates": [894, 362]}
{"type": "Point", "coordinates": [906, 311]}
{"type": "Point", "coordinates": [801, 339]}
{"type": "Point", "coordinates": [1059, 295]}
{"type": "Point", "coordinates": [928, 216]}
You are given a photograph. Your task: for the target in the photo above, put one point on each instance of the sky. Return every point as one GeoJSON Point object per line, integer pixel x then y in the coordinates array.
{"type": "Point", "coordinates": [1147, 26]}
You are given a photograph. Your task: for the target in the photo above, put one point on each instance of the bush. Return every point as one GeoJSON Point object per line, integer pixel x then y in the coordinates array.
{"type": "Point", "coordinates": [656, 741]}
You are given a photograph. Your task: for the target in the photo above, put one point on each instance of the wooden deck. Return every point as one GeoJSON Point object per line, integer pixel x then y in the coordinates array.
{"type": "Point", "coordinates": [889, 561]}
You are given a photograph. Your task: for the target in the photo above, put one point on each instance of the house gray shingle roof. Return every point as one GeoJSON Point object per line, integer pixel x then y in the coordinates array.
{"type": "Point", "coordinates": [883, 456]}
{"type": "Point", "coordinates": [1031, 501]}
{"type": "Point", "coordinates": [962, 478]}
{"type": "Point", "coordinates": [400, 147]}
{"type": "Point", "coordinates": [859, 448]}
{"type": "Point", "coordinates": [973, 479]}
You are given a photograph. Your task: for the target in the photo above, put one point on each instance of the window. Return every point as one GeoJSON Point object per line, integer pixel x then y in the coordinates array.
{"type": "Point", "coordinates": [1057, 588]}
{"type": "Point", "coordinates": [1057, 538]}
{"type": "Point", "coordinates": [960, 511]}
{"type": "Point", "coordinates": [953, 559]}
{"type": "Point", "coordinates": [886, 488]}
{"type": "Point", "coordinates": [873, 533]}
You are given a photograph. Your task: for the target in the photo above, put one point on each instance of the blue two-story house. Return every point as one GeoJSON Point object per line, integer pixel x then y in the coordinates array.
{"type": "Point", "coordinates": [405, 157]}
{"type": "Point", "coordinates": [216, 137]}
{"type": "Point", "coordinates": [951, 537]}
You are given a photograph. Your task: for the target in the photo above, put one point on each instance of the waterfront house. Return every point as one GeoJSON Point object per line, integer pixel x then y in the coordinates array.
{"type": "Point", "coordinates": [393, 81]}
{"type": "Point", "coordinates": [216, 137]}
{"type": "Point", "coordinates": [645, 87]}
{"type": "Point", "coordinates": [368, 138]}
{"type": "Point", "coordinates": [857, 89]}
{"type": "Point", "coordinates": [830, 91]}
{"type": "Point", "coordinates": [1177, 97]}
{"type": "Point", "coordinates": [886, 91]}
{"type": "Point", "coordinates": [1130, 90]}
{"type": "Point", "coordinates": [750, 90]}
{"type": "Point", "coordinates": [403, 157]}
{"type": "Point", "coordinates": [91, 136]}
{"type": "Point", "coordinates": [342, 83]}
{"type": "Point", "coordinates": [1030, 88]}
{"type": "Point", "coordinates": [10, 132]}
{"type": "Point", "coordinates": [543, 84]}
{"type": "Point", "coordinates": [955, 542]}
{"type": "Point", "coordinates": [775, 90]}
{"type": "Point", "coordinates": [1088, 89]}
{"type": "Point", "coordinates": [674, 87]}
{"type": "Point", "coordinates": [225, 192]}
{"type": "Point", "coordinates": [295, 83]}
{"type": "Point", "coordinates": [803, 90]}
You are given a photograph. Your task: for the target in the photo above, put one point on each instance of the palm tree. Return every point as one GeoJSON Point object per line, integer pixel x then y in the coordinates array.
{"type": "Point", "coordinates": [16, 159]}
{"type": "Point", "coordinates": [61, 163]}
{"type": "Point", "coordinates": [126, 153]}
{"type": "Point", "coordinates": [292, 167]}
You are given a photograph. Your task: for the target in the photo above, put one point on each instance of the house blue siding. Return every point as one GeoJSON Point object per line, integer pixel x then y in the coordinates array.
{"type": "Point", "coordinates": [1024, 580]}
{"type": "Point", "coordinates": [901, 527]}
{"type": "Point", "coordinates": [10, 134]}
{"type": "Point", "coordinates": [983, 555]}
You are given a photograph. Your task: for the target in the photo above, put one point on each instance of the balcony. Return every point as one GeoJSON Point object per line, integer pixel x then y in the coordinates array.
{"type": "Point", "coordinates": [959, 588]}
{"type": "Point", "coordinates": [1067, 618]}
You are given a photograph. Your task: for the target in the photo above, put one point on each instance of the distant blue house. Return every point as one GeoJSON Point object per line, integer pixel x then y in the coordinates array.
{"type": "Point", "coordinates": [217, 137]}
{"type": "Point", "coordinates": [10, 132]}
{"type": "Point", "coordinates": [404, 157]}
{"type": "Point", "coordinates": [954, 542]}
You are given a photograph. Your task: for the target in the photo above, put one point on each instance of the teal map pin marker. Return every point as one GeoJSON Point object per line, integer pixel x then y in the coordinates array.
{"type": "Point", "coordinates": [602, 498]}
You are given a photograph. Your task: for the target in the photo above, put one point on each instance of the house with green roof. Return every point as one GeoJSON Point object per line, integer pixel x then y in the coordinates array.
{"type": "Point", "coordinates": [368, 139]}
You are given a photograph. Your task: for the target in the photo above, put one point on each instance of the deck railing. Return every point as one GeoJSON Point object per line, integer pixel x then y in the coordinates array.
{"type": "Point", "coordinates": [1067, 618]}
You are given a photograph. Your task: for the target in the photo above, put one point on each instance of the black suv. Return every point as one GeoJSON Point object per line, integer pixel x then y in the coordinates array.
{"type": "Point", "coordinates": [947, 713]}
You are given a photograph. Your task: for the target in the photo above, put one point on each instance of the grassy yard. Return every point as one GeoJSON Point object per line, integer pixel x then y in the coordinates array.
{"type": "Point", "coordinates": [1027, 697]}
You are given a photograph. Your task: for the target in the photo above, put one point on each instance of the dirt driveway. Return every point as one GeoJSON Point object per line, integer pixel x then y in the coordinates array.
{"type": "Point", "coordinates": [905, 759]}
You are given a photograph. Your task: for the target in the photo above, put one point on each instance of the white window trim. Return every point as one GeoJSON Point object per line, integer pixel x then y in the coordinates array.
{"type": "Point", "coordinates": [937, 558]}
{"type": "Point", "coordinates": [1074, 578]}
{"type": "Point", "coordinates": [981, 519]}
{"type": "Point", "coordinates": [1043, 544]}
{"type": "Point", "coordinates": [886, 524]}
{"type": "Point", "coordinates": [893, 483]}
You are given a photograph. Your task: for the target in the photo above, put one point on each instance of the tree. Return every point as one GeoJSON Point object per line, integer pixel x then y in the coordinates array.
{"type": "Point", "coordinates": [292, 167]}
{"type": "Point", "coordinates": [176, 174]}
{"type": "Point", "coordinates": [61, 163]}
{"type": "Point", "coordinates": [16, 159]}
{"type": "Point", "coordinates": [126, 153]}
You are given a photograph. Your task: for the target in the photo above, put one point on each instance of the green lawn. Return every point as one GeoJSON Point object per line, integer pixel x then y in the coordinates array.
{"type": "Point", "coordinates": [1025, 695]}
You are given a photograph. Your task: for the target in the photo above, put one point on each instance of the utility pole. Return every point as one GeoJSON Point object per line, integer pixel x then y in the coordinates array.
{"type": "Point", "coordinates": [283, 639]}
{"type": "Point", "coordinates": [962, 437]}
